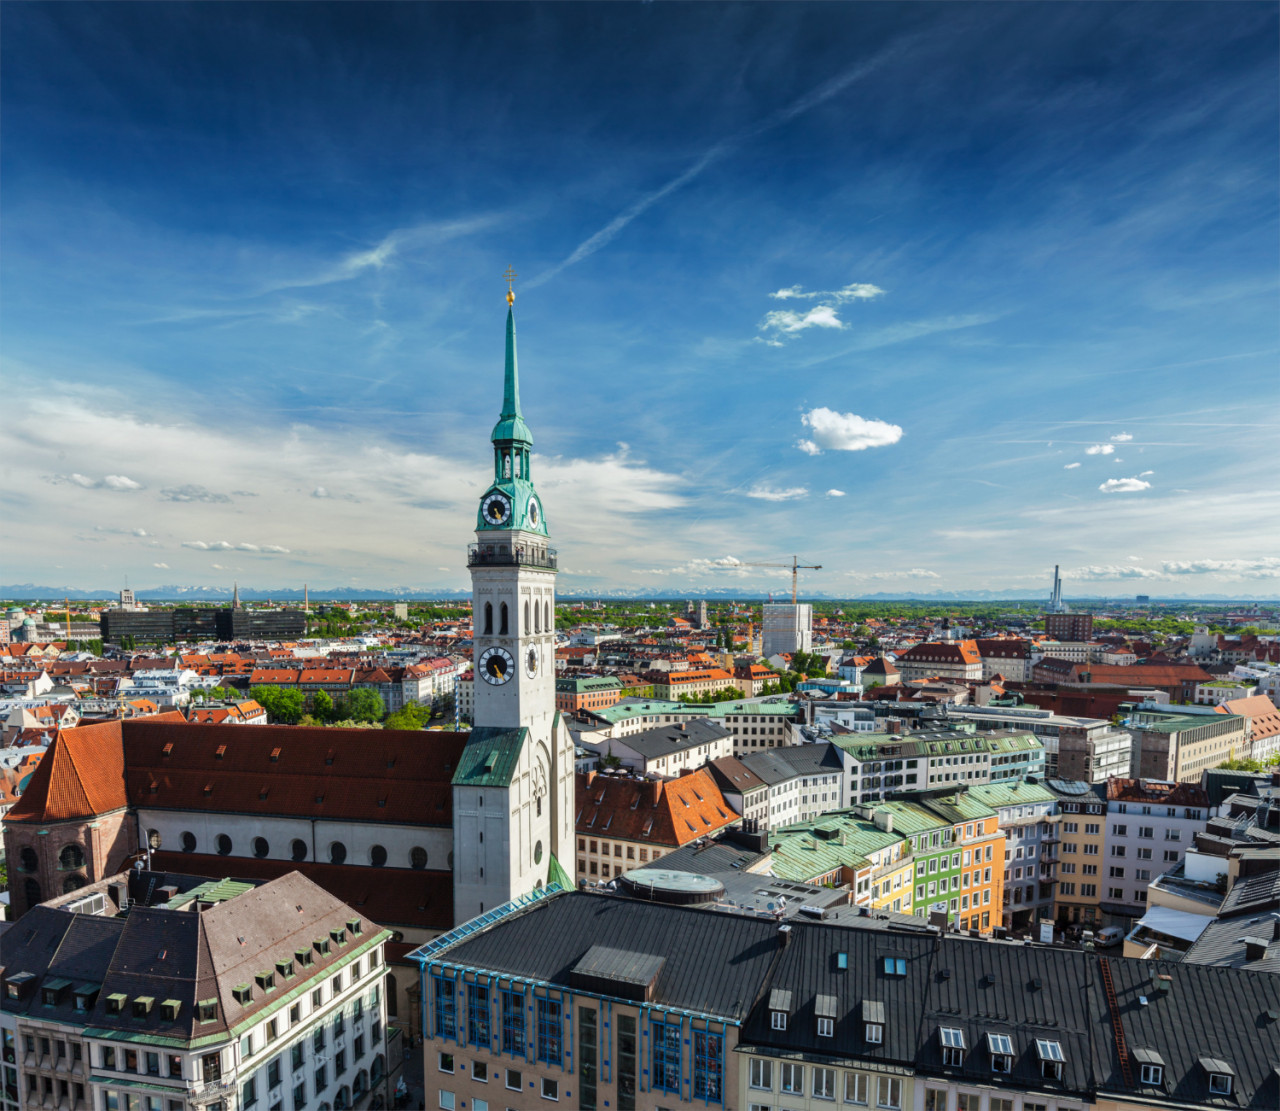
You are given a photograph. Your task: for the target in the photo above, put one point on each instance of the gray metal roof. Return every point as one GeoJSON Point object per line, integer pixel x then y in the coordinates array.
{"type": "Point", "coordinates": [664, 740]}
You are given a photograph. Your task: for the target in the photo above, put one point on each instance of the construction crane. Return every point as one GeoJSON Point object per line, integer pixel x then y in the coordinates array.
{"type": "Point", "coordinates": [795, 566]}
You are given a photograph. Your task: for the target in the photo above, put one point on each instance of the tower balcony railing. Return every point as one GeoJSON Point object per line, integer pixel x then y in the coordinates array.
{"type": "Point", "coordinates": [507, 555]}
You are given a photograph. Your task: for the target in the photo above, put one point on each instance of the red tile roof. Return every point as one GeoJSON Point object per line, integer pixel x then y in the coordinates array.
{"type": "Point", "coordinates": [418, 899]}
{"type": "Point", "coordinates": [1263, 714]}
{"type": "Point", "coordinates": [81, 775]}
{"type": "Point", "coordinates": [355, 774]}
{"type": "Point", "coordinates": [661, 812]}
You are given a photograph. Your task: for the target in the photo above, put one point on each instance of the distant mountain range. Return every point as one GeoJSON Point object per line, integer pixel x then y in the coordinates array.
{"type": "Point", "coordinates": [215, 595]}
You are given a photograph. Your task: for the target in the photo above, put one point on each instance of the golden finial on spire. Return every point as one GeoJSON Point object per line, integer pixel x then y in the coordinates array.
{"type": "Point", "coordinates": [509, 277]}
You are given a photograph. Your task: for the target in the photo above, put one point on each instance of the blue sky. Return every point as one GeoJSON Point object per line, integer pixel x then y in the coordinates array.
{"type": "Point", "coordinates": [936, 297]}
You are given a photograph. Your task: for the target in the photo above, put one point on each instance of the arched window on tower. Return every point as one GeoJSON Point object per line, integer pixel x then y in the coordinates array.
{"type": "Point", "coordinates": [526, 616]}
{"type": "Point", "coordinates": [72, 856]}
{"type": "Point", "coordinates": [502, 620]}
{"type": "Point", "coordinates": [546, 607]}
{"type": "Point", "coordinates": [537, 618]}
{"type": "Point", "coordinates": [488, 619]}
{"type": "Point", "coordinates": [27, 859]}
{"type": "Point", "coordinates": [31, 889]}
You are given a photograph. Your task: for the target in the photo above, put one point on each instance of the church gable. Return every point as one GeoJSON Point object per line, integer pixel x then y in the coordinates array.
{"type": "Point", "coordinates": [81, 776]}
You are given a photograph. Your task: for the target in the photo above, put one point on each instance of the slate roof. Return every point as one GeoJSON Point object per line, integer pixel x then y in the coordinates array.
{"type": "Point", "coordinates": [777, 765]}
{"type": "Point", "coordinates": [715, 963]}
{"type": "Point", "coordinates": [665, 740]}
{"type": "Point", "coordinates": [1222, 942]}
{"type": "Point", "coordinates": [181, 955]}
{"type": "Point", "coordinates": [391, 776]}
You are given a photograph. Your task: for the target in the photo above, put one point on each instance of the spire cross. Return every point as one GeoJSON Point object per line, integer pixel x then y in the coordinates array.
{"type": "Point", "coordinates": [509, 277]}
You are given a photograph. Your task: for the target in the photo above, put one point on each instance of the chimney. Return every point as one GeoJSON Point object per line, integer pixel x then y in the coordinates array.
{"type": "Point", "coordinates": [1255, 948]}
{"type": "Point", "coordinates": [655, 791]}
{"type": "Point", "coordinates": [784, 936]}
{"type": "Point", "coordinates": [686, 771]}
{"type": "Point", "coordinates": [591, 778]}
{"type": "Point", "coordinates": [883, 820]}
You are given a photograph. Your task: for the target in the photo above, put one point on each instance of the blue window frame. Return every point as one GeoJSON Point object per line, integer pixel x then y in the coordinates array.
{"type": "Point", "coordinates": [513, 1023]}
{"type": "Point", "coordinates": [708, 1066]}
{"type": "Point", "coordinates": [665, 1039]}
{"type": "Point", "coordinates": [446, 1008]}
{"type": "Point", "coordinates": [478, 1015]}
{"type": "Point", "coordinates": [550, 1036]}
{"type": "Point", "coordinates": [895, 966]}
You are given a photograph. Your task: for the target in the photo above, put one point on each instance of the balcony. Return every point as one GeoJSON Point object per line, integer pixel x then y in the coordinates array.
{"type": "Point", "coordinates": [503, 555]}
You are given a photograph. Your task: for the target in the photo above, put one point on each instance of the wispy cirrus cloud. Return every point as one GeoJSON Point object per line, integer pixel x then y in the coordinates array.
{"type": "Point", "coordinates": [835, 431]}
{"type": "Point", "coordinates": [121, 484]}
{"type": "Point", "coordinates": [855, 291]}
{"type": "Point", "coordinates": [1070, 466]}
{"type": "Point", "coordinates": [769, 493]}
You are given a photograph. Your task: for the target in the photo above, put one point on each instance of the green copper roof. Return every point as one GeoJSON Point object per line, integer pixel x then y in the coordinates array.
{"type": "Point", "coordinates": [1011, 794]}
{"type": "Point", "coordinates": [490, 757]}
{"type": "Point", "coordinates": [511, 424]}
{"type": "Point", "coordinates": [800, 852]}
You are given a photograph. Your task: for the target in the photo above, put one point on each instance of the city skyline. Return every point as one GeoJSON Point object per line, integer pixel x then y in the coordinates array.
{"type": "Point", "coordinates": [968, 293]}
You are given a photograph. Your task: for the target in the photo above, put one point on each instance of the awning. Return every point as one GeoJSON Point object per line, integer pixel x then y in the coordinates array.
{"type": "Point", "coordinates": [1174, 923]}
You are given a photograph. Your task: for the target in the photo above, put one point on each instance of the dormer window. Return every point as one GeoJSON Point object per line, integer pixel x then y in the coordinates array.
{"type": "Point", "coordinates": [1001, 1047]}
{"type": "Point", "coordinates": [779, 1008]}
{"type": "Point", "coordinates": [1152, 1076]}
{"type": "Point", "coordinates": [952, 1045]}
{"type": "Point", "coordinates": [115, 1003]}
{"type": "Point", "coordinates": [824, 1007]}
{"type": "Point", "coordinates": [1051, 1058]}
{"type": "Point", "coordinates": [895, 966]}
{"type": "Point", "coordinates": [1221, 1076]}
{"type": "Point", "coordinates": [873, 1021]}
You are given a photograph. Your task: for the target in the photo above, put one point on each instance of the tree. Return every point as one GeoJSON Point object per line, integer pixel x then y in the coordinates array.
{"type": "Point", "coordinates": [322, 706]}
{"type": "Point", "coordinates": [284, 705]}
{"type": "Point", "coordinates": [363, 704]}
{"type": "Point", "coordinates": [411, 716]}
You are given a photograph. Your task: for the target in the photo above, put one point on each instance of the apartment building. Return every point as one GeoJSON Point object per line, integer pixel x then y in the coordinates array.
{"type": "Point", "coordinates": [745, 791]}
{"type": "Point", "coordinates": [1083, 810]}
{"type": "Point", "coordinates": [942, 660]}
{"type": "Point", "coordinates": [674, 684]}
{"type": "Point", "coordinates": [803, 781]}
{"type": "Point", "coordinates": [596, 692]}
{"type": "Point", "coordinates": [1150, 826]}
{"type": "Point", "coordinates": [753, 724]}
{"type": "Point", "coordinates": [664, 750]}
{"type": "Point", "coordinates": [1026, 813]}
{"type": "Point", "coordinates": [855, 849]}
{"type": "Point", "coordinates": [209, 994]}
{"type": "Point", "coordinates": [625, 821]}
{"type": "Point", "coordinates": [1075, 747]}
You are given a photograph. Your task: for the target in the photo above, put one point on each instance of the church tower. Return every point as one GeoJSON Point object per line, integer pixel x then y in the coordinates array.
{"type": "Point", "coordinates": [513, 790]}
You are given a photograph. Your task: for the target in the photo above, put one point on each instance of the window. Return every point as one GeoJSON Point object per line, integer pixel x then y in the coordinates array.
{"type": "Point", "coordinates": [889, 1092]}
{"type": "Point", "coordinates": [778, 1020]}
{"type": "Point", "coordinates": [952, 1045]}
{"type": "Point", "coordinates": [550, 1047]}
{"type": "Point", "coordinates": [855, 1087]}
{"type": "Point", "coordinates": [447, 1100]}
{"type": "Point", "coordinates": [273, 1074]}
{"type": "Point", "coordinates": [513, 1023]}
{"type": "Point", "coordinates": [1051, 1058]}
{"type": "Point", "coordinates": [761, 1074]}
{"type": "Point", "coordinates": [935, 1099]}
{"type": "Point", "coordinates": [1001, 1047]}
{"type": "Point", "coordinates": [249, 1092]}
{"type": "Point", "coordinates": [446, 1008]}
{"type": "Point", "coordinates": [1152, 1076]}
{"type": "Point", "coordinates": [792, 1078]}
{"type": "Point", "coordinates": [515, 1081]}
{"type": "Point", "coordinates": [875, 1033]}
{"type": "Point", "coordinates": [550, 1089]}
{"type": "Point", "coordinates": [665, 1039]}
{"type": "Point", "coordinates": [826, 1028]}
{"type": "Point", "coordinates": [587, 1058]}
{"type": "Point", "coordinates": [1220, 1083]}
{"type": "Point", "coordinates": [478, 1015]}
{"type": "Point", "coordinates": [1173, 835]}
{"type": "Point", "coordinates": [296, 1055]}
{"type": "Point", "coordinates": [708, 1066]}
{"type": "Point", "coordinates": [895, 966]}
{"type": "Point", "coordinates": [824, 1083]}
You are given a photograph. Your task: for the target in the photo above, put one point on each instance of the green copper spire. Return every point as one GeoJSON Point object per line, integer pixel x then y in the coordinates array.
{"type": "Point", "coordinates": [511, 427]}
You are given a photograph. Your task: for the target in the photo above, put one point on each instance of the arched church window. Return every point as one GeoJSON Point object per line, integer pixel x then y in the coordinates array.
{"type": "Point", "coordinates": [418, 857]}
{"type": "Point", "coordinates": [72, 856]}
{"type": "Point", "coordinates": [537, 618]}
{"type": "Point", "coordinates": [546, 607]}
{"type": "Point", "coordinates": [224, 845]}
{"type": "Point", "coordinates": [31, 889]}
{"type": "Point", "coordinates": [337, 853]}
{"type": "Point", "coordinates": [73, 883]}
{"type": "Point", "coordinates": [502, 620]}
{"type": "Point", "coordinates": [537, 853]}
{"type": "Point", "coordinates": [260, 847]}
{"type": "Point", "coordinates": [488, 619]}
{"type": "Point", "coordinates": [526, 615]}
{"type": "Point", "coordinates": [378, 856]}
{"type": "Point", "coordinates": [27, 859]}
{"type": "Point", "coordinates": [153, 838]}
{"type": "Point", "coordinates": [188, 842]}
{"type": "Point", "coordinates": [298, 850]}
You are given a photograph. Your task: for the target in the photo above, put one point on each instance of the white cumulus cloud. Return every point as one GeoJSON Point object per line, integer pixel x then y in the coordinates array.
{"type": "Point", "coordinates": [835, 493]}
{"type": "Point", "coordinates": [1121, 438]}
{"type": "Point", "coordinates": [1099, 449]}
{"type": "Point", "coordinates": [1268, 567]}
{"type": "Point", "coordinates": [1071, 466]}
{"type": "Point", "coordinates": [1104, 572]}
{"type": "Point", "coordinates": [1124, 485]}
{"type": "Point", "coordinates": [768, 493]}
{"type": "Point", "coordinates": [120, 482]}
{"type": "Point", "coordinates": [845, 432]}
{"type": "Point", "coordinates": [787, 322]}
{"type": "Point", "coordinates": [319, 492]}
{"type": "Point", "coordinates": [199, 545]}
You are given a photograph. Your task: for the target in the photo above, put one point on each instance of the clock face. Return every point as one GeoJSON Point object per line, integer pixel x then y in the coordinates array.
{"type": "Point", "coordinates": [496, 509]}
{"type": "Point", "coordinates": [533, 512]}
{"type": "Point", "coordinates": [531, 661]}
{"type": "Point", "coordinates": [497, 665]}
